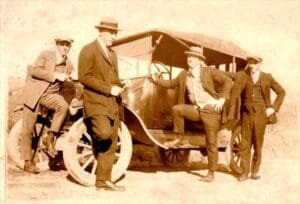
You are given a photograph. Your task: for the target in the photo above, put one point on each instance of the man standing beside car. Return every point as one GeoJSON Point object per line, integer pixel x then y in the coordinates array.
{"type": "Point", "coordinates": [205, 103]}
{"type": "Point", "coordinates": [254, 87]}
{"type": "Point", "coordinates": [98, 72]}
{"type": "Point", "coordinates": [42, 87]}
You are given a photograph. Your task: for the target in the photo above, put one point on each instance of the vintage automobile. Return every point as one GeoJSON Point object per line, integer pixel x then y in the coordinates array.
{"type": "Point", "coordinates": [148, 107]}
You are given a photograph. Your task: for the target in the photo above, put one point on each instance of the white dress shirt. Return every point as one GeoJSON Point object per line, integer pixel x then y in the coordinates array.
{"type": "Point", "coordinates": [196, 93]}
{"type": "Point", "coordinates": [103, 46]}
{"type": "Point", "coordinates": [255, 77]}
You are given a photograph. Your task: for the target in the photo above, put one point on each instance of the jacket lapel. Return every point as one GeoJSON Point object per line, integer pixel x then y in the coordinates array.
{"type": "Point", "coordinates": [114, 59]}
{"type": "Point", "coordinates": [206, 79]}
{"type": "Point", "coordinates": [69, 66]}
{"type": "Point", "coordinates": [262, 80]}
{"type": "Point", "coordinates": [52, 62]}
{"type": "Point", "coordinates": [102, 51]}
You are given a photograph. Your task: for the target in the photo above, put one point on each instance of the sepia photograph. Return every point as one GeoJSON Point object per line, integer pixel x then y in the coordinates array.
{"type": "Point", "coordinates": [179, 101]}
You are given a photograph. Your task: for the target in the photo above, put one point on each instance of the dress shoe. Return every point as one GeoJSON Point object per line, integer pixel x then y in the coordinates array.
{"type": "Point", "coordinates": [172, 144]}
{"type": "Point", "coordinates": [243, 177]}
{"type": "Point", "coordinates": [179, 142]}
{"type": "Point", "coordinates": [255, 177]}
{"type": "Point", "coordinates": [30, 167]}
{"type": "Point", "coordinates": [48, 141]}
{"type": "Point", "coordinates": [109, 186]}
{"type": "Point", "coordinates": [210, 177]}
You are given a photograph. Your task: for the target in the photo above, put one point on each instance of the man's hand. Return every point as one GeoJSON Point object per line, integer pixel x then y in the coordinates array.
{"type": "Point", "coordinates": [154, 76]}
{"type": "Point", "coordinates": [270, 111]}
{"type": "Point", "coordinates": [217, 103]}
{"type": "Point", "coordinates": [60, 76]}
{"type": "Point", "coordinates": [115, 90]}
{"type": "Point", "coordinates": [126, 83]}
{"type": "Point", "coordinates": [73, 76]}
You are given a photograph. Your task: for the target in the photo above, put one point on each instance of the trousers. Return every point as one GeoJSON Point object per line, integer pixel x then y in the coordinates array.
{"type": "Point", "coordinates": [51, 101]}
{"type": "Point", "coordinates": [211, 121]}
{"type": "Point", "coordinates": [105, 137]}
{"type": "Point", "coordinates": [253, 131]}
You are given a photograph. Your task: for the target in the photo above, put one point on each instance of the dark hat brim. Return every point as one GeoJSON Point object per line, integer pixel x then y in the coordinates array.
{"type": "Point", "coordinates": [64, 40]}
{"type": "Point", "coordinates": [195, 54]}
{"type": "Point", "coordinates": [107, 27]}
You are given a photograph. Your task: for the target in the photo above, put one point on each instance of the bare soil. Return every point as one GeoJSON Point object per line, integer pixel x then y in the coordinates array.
{"type": "Point", "coordinates": [151, 182]}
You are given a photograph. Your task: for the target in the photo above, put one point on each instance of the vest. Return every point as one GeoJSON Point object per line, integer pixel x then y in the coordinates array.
{"type": "Point", "coordinates": [196, 93]}
{"type": "Point", "coordinates": [258, 101]}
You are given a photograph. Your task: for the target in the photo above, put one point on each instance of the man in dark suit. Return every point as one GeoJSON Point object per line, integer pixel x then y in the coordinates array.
{"type": "Point", "coordinates": [98, 72]}
{"type": "Point", "coordinates": [42, 87]}
{"type": "Point", "coordinates": [205, 103]}
{"type": "Point", "coordinates": [254, 86]}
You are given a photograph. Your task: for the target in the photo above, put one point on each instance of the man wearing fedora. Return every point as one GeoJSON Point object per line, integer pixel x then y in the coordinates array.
{"type": "Point", "coordinates": [98, 72]}
{"type": "Point", "coordinates": [205, 103]}
{"type": "Point", "coordinates": [254, 88]}
{"type": "Point", "coordinates": [42, 87]}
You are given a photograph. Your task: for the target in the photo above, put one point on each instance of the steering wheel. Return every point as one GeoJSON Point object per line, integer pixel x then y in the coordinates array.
{"type": "Point", "coordinates": [161, 69]}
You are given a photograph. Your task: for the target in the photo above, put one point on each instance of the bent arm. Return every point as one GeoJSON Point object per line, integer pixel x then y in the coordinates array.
{"type": "Point", "coordinates": [225, 80]}
{"type": "Point", "coordinates": [280, 92]}
{"type": "Point", "coordinates": [169, 84]}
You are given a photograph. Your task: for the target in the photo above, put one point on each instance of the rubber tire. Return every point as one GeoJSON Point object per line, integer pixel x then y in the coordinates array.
{"type": "Point", "coordinates": [73, 165]}
{"type": "Point", "coordinates": [13, 149]}
{"type": "Point", "coordinates": [175, 162]}
{"type": "Point", "coordinates": [236, 137]}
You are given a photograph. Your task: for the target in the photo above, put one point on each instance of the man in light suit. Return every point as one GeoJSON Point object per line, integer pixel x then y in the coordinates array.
{"type": "Point", "coordinates": [42, 87]}
{"type": "Point", "coordinates": [257, 111]}
{"type": "Point", "coordinates": [205, 103]}
{"type": "Point", "coordinates": [98, 72]}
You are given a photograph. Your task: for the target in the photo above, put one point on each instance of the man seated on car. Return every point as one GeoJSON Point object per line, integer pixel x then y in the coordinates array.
{"type": "Point", "coordinates": [42, 87]}
{"type": "Point", "coordinates": [205, 103]}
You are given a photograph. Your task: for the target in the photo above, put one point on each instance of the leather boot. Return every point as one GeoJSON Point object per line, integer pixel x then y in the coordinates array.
{"type": "Point", "coordinates": [30, 167]}
{"type": "Point", "coordinates": [178, 142]}
{"type": "Point", "coordinates": [109, 186]}
{"type": "Point", "coordinates": [209, 177]}
{"type": "Point", "coordinates": [48, 142]}
{"type": "Point", "coordinates": [243, 177]}
{"type": "Point", "coordinates": [255, 176]}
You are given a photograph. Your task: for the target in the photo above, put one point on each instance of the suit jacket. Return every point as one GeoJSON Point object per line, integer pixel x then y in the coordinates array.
{"type": "Point", "coordinates": [98, 74]}
{"type": "Point", "coordinates": [213, 81]}
{"type": "Point", "coordinates": [241, 96]}
{"type": "Point", "coordinates": [40, 76]}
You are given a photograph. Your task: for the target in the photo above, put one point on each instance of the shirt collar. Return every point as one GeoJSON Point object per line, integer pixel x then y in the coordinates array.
{"type": "Point", "coordinates": [256, 74]}
{"type": "Point", "coordinates": [191, 74]}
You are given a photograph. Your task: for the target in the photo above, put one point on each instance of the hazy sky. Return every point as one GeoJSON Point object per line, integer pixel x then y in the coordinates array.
{"type": "Point", "coordinates": [270, 29]}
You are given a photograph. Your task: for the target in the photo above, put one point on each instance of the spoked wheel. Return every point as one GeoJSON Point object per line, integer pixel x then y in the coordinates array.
{"type": "Point", "coordinates": [41, 159]}
{"type": "Point", "coordinates": [235, 157]}
{"type": "Point", "coordinates": [80, 160]}
{"type": "Point", "coordinates": [174, 157]}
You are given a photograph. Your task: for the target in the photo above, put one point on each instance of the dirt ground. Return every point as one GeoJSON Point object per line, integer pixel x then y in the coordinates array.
{"type": "Point", "coordinates": [150, 183]}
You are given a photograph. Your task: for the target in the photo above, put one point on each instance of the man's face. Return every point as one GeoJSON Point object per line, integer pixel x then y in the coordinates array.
{"type": "Point", "coordinates": [108, 36]}
{"type": "Point", "coordinates": [193, 61]}
{"type": "Point", "coordinates": [63, 47]}
{"type": "Point", "coordinates": [253, 67]}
